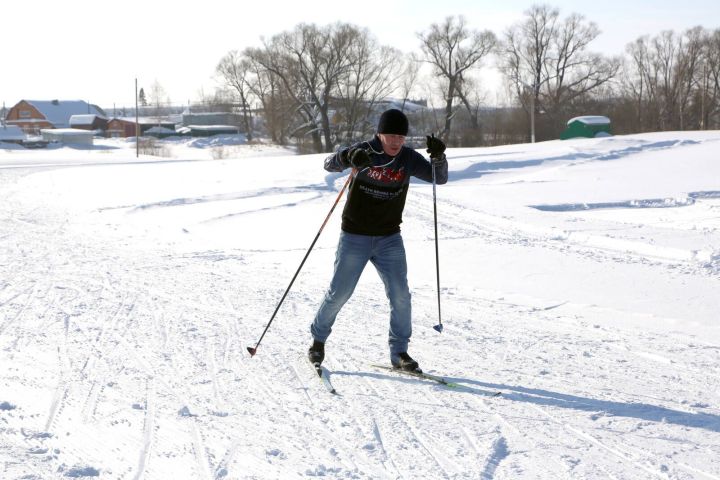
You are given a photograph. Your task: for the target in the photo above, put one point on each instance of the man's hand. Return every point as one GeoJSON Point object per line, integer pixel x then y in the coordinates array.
{"type": "Point", "coordinates": [436, 149]}
{"type": "Point", "coordinates": [359, 158]}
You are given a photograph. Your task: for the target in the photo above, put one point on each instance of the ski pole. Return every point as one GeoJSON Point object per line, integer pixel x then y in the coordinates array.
{"type": "Point", "coordinates": [439, 326]}
{"type": "Point", "coordinates": [253, 350]}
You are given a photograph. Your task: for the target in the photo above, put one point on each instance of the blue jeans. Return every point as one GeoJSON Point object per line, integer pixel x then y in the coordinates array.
{"type": "Point", "coordinates": [387, 254]}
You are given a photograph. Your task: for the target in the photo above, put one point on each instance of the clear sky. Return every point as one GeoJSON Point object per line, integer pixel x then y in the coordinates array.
{"type": "Point", "coordinates": [83, 49]}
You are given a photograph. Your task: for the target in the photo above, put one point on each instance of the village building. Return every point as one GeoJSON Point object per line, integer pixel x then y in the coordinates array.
{"type": "Point", "coordinates": [588, 126]}
{"type": "Point", "coordinates": [91, 121]}
{"type": "Point", "coordinates": [212, 118]}
{"type": "Point", "coordinates": [120, 127]}
{"type": "Point", "coordinates": [34, 115]}
{"type": "Point", "coordinates": [210, 130]}
{"type": "Point", "coordinates": [11, 134]}
{"type": "Point", "coordinates": [125, 126]}
{"type": "Point", "coordinates": [160, 132]}
{"type": "Point", "coordinates": [73, 136]}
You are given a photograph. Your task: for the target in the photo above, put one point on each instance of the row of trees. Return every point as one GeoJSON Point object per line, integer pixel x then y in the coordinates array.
{"type": "Point", "coordinates": [550, 68]}
{"type": "Point", "coordinates": [322, 85]}
{"type": "Point", "coordinates": [672, 82]}
{"type": "Point", "coordinates": [302, 78]}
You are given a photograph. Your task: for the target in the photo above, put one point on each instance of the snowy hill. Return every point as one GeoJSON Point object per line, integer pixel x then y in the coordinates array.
{"type": "Point", "coordinates": [579, 278]}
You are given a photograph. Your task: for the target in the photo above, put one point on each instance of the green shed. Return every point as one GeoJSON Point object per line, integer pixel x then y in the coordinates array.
{"type": "Point", "coordinates": [590, 126]}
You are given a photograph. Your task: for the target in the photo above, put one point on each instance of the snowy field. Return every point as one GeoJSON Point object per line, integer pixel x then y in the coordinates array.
{"type": "Point", "coordinates": [579, 278]}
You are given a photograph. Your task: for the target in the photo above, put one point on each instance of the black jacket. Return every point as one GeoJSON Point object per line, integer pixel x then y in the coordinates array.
{"type": "Point", "coordinates": [376, 197]}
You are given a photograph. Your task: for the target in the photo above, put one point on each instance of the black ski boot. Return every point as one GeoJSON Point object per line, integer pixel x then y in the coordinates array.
{"type": "Point", "coordinates": [316, 352]}
{"type": "Point", "coordinates": [403, 361]}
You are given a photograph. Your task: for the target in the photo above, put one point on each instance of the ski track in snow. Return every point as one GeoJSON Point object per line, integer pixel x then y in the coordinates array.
{"type": "Point", "coordinates": [131, 362]}
{"type": "Point", "coordinates": [493, 229]}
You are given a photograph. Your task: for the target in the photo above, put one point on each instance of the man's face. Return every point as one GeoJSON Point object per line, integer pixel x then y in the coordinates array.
{"type": "Point", "coordinates": [391, 143]}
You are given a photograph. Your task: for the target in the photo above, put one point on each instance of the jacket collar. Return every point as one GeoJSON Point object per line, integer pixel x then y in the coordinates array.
{"type": "Point", "coordinates": [376, 144]}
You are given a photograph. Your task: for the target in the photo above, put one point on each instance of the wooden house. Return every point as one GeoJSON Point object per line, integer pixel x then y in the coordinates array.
{"type": "Point", "coordinates": [125, 126]}
{"type": "Point", "coordinates": [120, 127]}
{"type": "Point", "coordinates": [89, 122]}
{"type": "Point", "coordinates": [34, 115]}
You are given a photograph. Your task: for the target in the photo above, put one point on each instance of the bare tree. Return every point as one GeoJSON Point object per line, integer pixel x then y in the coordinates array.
{"type": "Point", "coordinates": [575, 72]}
{"type": "Point", "coordinates": [276, 104]}
{"type": "Point", "coordinates": [409, 76]}
{"type": "Point", "coordinates": [453, 49]}
{"type": "Point", "coordinates": [329, 77]}
{"type": "Point", "coordinates": [158, 99]}
{"type": "Point", "coordinates": [222, 99]}
{"type": "Point", "coordinates": [638, 83]}
{"type": "Point", "coordinates": [527, 47]}
{"type": "Point", "coordinates": [547, 62]}
{"type": "Point", "coordinates": [308, 62]}
{"type": "Point", "coordinates": [665, 57]}
{"type": "Point", "coordinates": [368, 79]}
{"type": "Point", "coordinates": [710, 82]}
{"type": "Point", "coordinates": [669, 80]}
{"type": "Point", "coordinates": [689, 73]}
{"type": "Point", "coordinates": [235, 72]}
{"type": "Point", "coordinates": [472, 98]}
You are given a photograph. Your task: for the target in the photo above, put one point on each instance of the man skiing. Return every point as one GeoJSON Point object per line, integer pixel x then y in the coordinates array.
{"type": "Point", "coordinates": [371, 219]}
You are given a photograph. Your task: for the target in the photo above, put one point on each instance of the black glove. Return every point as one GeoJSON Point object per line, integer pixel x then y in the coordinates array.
{"type": "Point", "coordinates": [435, 148]}
{"type": "Point", "coordinates": [358, 158]}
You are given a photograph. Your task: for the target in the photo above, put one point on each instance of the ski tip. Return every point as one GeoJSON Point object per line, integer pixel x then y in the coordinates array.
{"type": "Point", "coordinates": [438, 328]}
{"type": "Point", "coordinates": [252, 351]}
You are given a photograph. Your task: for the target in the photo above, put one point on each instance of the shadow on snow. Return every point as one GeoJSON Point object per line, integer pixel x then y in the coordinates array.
{"type": "Point", "coordinates": [477, 170]}
{"type": "Point", "coordinates": [640, 411]}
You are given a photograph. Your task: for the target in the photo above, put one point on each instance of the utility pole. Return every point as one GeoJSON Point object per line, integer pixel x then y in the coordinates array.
{"type": "Point", "coordinates": [532, 110]}
{"type": "Point", "coordinates": [532, 116]}
{"type": "Point", "coordinates": [137, 124]}
{"type": "Point", "coordinates": [702, 99]}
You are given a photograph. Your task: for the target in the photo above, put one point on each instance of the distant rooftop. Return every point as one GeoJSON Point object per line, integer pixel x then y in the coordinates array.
{"type": "Point", "coordinates": [11, 132]}
{"type": "Point", "coordinates": [210, 128]}
{"type": "Point", "coordinates": [590, 120]}
{"type": "Point", "coordinates": [58, 112]}
{"type": "Point", "coordinates": [84, 119]}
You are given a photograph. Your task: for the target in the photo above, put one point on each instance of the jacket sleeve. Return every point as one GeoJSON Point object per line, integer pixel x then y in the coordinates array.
{"type": "Point", "coordinates": [337, 162]}
{"type": "Point", "coordinates": [422, 169]}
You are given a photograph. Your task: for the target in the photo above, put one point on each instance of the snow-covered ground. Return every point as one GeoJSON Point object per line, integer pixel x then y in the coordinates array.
{"type": "Point", "coordinates": [580, 278]}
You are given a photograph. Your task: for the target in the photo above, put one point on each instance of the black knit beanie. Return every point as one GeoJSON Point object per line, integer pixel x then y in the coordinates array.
{"type": "Point", "coordinates": [393, 122]}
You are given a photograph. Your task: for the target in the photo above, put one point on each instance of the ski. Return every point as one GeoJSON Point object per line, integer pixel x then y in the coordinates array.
{"type": "Point", "coordinates": [418, 374]}
{"type": "Point", "coordinates": [427, 376]}
{"type": "Point", "coordinates": [324, 377]}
